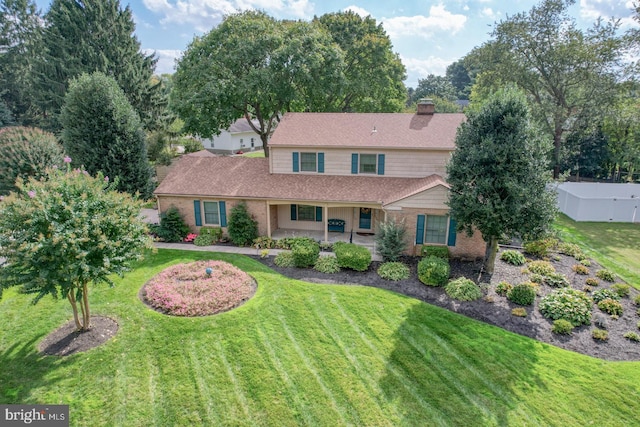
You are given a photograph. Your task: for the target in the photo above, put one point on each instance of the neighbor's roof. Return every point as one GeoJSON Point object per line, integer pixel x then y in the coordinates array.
{"type": "Point", "coordinates": [249, 178]}
{"type": "Point", "coordinates": [392, 130]}
{"type": "Point", "coordinates": [242, 125]}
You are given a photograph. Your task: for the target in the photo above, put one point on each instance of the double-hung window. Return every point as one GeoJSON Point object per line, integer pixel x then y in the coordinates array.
{"type": "Point", "coordinates": [371, 164]}
{"type": "Point", "coordinates": [436, 229]}
{"type": "Point", "coordinates": [211, 213]}
{"type": "Point", "coordinates": [368, 163]}
{"type": "Point", "coordinates": [308, 162]}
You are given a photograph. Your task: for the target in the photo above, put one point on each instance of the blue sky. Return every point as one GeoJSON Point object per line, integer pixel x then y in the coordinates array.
{"type": "Point", "coordinates": [428, 35]}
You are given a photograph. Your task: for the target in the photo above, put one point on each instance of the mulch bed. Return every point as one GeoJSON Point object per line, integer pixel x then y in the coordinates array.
{"type": "Point", "coordinates": [498, 312]}
{"type": "Point", "coordinates": [66, 340]}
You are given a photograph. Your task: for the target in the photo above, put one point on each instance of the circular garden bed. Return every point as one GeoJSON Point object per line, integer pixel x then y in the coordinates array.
{"type": "Point", "coordinates": [198, 288]}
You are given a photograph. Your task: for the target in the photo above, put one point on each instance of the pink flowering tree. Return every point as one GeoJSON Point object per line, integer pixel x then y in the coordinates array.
{"type": "Point", "coordinates": [65, 231]}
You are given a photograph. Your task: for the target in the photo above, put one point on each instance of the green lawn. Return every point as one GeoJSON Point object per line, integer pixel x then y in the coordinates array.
{"type": "Point", "coordinates": [254, 154]}
{"type": "Point", "coordinates": [304, 354]}
{"type": "Point", "coordinates": [614, 245]}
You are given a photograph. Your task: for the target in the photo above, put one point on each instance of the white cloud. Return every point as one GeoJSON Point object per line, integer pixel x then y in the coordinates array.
{"type": "Point", "coordinates": [487, 12]}
{"type": "Point", "coordinates": [166, 59]}
{"type": "Point", "coordinates": [421, 68]}
{"type": "Point", "coordinates": [357, 10]}
{"type": "Point", "coordinates": [439, 19]}
{"type": "Point", "coordinates": [619, 9]}
{"type": "Point", "coordinates": [203, 15]}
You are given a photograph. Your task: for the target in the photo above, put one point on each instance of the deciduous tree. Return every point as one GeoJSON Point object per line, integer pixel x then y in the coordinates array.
{"type": "Point", "coordinates": [103, 133]}
{"type": "Point", "coordinates": [568, 73]}
{"type": "Point", "coordinates": [498, 174]}
{"type": "Point", "coordinates": [26, 152]}
{"type": "Point", "coordinates": [62, 233]}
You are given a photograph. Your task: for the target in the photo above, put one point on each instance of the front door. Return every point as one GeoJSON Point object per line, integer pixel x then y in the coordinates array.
{"type": "Point", "coordinates": [365, 218]}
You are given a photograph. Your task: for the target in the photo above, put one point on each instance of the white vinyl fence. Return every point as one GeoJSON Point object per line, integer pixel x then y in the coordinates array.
{"type": "Point", "coordinates": [600, 202]}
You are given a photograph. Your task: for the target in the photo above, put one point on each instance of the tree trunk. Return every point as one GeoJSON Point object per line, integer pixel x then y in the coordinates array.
{"type": "Point", "coordinates": [490, 255]}
{"type": "Point", "coordinates": [74, 306]}
{"type": "Point", "coordinates": [557, 143]}
{"type": "Point", "coordinates": [85, 303]}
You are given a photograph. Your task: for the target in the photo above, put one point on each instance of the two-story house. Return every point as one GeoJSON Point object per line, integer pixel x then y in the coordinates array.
{"type": "Point", "coordinates": [331, 175]}
{"type": "Point", "coordinates": [240, 137]}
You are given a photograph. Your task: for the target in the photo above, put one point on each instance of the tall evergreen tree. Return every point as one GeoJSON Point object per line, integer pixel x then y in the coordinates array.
{"type": "Point", "coordinates": [498, 174]}
{"type": "Point", "coordinates": [20, 38]}
{"type": "Point", "coordinates": [102, 132]}
{"type": "Point", "coordinates": [94, 35]}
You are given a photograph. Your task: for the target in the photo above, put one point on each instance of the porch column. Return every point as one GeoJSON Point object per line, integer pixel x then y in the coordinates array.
{"type": "Point", "coordinates": [268, 219]}
{"type": "Point", "coordinates": [325, 220]}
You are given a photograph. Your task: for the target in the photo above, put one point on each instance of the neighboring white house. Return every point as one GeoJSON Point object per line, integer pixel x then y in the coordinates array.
{"type": "Point", "coordinates": [239, 137]}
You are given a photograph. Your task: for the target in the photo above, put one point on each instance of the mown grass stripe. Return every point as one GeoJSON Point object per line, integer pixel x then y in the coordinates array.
{"type": "Point", "coordinates": [402, 379]}
{"type": "Point", "coordinates": [240, 397]}
{"type": "Point", "coordinates": [293, 392]}
{"type": "Point", "coordinates": [371, 384]}
{"type": "Point", "coordinates": [204, 393]}
{"type": "Point", "coordinates": [314, 372]}
{"type": "Point", "coordinates": [153, 391]}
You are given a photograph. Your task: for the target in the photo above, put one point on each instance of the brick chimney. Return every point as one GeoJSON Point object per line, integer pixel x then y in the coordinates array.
{"type": "Point", "coordinates": [426, 107]}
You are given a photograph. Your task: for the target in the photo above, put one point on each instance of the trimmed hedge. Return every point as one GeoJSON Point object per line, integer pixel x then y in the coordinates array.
{"type": "Point", "coordinates": [352, 256]}
{"type": "Point", "coordinates": [463, 289]}
{"type": "Point", "coordinates": [433, 271]}
{"type": "Point", "coordinates": [305, 253]}
{"type": "Point", "coordinates": [438, 251]}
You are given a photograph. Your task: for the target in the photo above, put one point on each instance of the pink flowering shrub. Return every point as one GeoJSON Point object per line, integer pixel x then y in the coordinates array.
{"type": "Point", "coordinates": [187, 289]}
{"type": "Point", "coordinates": [190, 237]}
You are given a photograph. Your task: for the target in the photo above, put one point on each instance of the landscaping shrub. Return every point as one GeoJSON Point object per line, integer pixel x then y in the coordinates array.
{"type": "Point", "coordinates": [172, 226]}
{"type": "Point", "coordinates": [562, 326]}
{"type": "Point", "coordinates": [580, 269]}
{"type": "Point", "coordinates": [199, 288]}
{"type": "Point", "coordinates": [391, 240]}
{"type": "Point", "coordinates": [606, 275]}
{"type": "Point", "coordinates": [433, 271]}
{"type": "Point", "coordinates": [541, 267]}
{"type": "Point", "coordinates": [632, 336]}
{"type": "Point", "coordinates": [264, 242]}
{"type": "Point", "coordinates": [522, 294]}
{"type": "Point", "coordinates": [610, 306]}
{"type": "Point", "coordinates": [305, 253]}
{"type": "Point", "coordinates": [601, 294]}
{"type": "Point", "coordinates": [600, 335]}
{"type": "Point", "coordinates": [289, 242]}
{"type": "Point", "coordinates": [204, 240]}
{"type": "Point", "coordinates": [284, 259]}
{"type": "Point", "coordinates": [513, 257]}
{"type": "Point", "coordinates": [636, 300]}
{"type": "Point", "coordinates": [540, 248]}
{"type": "Point", "coordinates": [503, 288]}
{"type": "Point", "coordinates": [352, 256]}
{"type": "Point", "coordinates": [242, 228]}
{"type": "Point", "coordinates": [216, 232]}
{"type": "Point", "coordinates": [463, 289]}
{"type": "Point", "coordinates": [327, 264]}
{"type": "Point", "coordinates": [556, 280]}
{"type": "Point", "coordinates": [570, 249]}
{"type": "Point", "coordinates": [393, 271]}
{"type": "Point", "coordinates": [190, 238]}
{"type": "Point", "coordinates": [585, 262]}
{"type": "Point", "coordinates": [519, 311]}
{"type": "Point", "coordinates": [622, 289]}
{"type": "Point", "coordinates": [437, 251]}
{"type": "Point", "coordinates": [587, 288]}
{"type": "Point", "coordinates": [536, 278]}
{"type": "Point", "coordinates": [569, 304]}
{"type": "Point", "coordinates": [600, 320]}
{"type": "Point", "coordinates": [592, 281]}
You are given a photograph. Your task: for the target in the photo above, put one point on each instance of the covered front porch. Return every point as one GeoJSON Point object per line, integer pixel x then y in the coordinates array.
{"type": "Point", "coordinates": [359, 238]}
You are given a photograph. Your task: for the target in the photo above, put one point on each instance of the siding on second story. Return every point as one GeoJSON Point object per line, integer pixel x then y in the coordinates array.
{"type": "Point", "coordinates": [382, 144]}
{"type": "Point", "coordinates": [399, 163]}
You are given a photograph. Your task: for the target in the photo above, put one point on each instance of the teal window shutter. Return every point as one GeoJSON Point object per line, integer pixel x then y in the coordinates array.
{"type": "Point", "coordinates": [380, 164]}
{"type": "Point", "coordinates": [296, 161]}
{"type": "Point", "coordinates": [354, 163]}
{"type": "Point", "coordinates": [318, 213]}
{"type": "Point", "coordinates": [196, 212]}
{"type": "Point", "coordinates": [294, 212]}
{"type": "Point", "coordinates": [451, 241]}
{"type": "Point", "coordinates": [320, 162]}
{"type": "Point", "coordinates": [420, 230]}
{"type": "Point", "coordinates": [223, 213]}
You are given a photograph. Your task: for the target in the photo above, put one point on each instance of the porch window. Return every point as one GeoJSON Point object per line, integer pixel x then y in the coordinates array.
{"type": "Point", "coordinates": [436, 229]}
{"type": "Point", "coordinates": [306, 213]}
{"type": "Point", "coordinates": [211, 213]}
{"type": "Point", "coordinates": [308, 162]}
{"type": "Point", "coordinates": [367, 163]}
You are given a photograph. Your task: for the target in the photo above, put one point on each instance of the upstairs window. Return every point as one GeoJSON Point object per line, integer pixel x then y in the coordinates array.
{"type": "Point", "coordinates": [308, 162]}
{"type": "Point", "coordinates": [371, 164]}
{"type": "Point", "coordinates": [368, 163]}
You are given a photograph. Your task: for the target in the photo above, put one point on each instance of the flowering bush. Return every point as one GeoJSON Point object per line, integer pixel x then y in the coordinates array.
{"type": "Point", "coordinates": [190, 237]}
{"type": "Point", "coordinates": [187, 289]}
{"type": "Point", "coordinates": [569, 304]}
